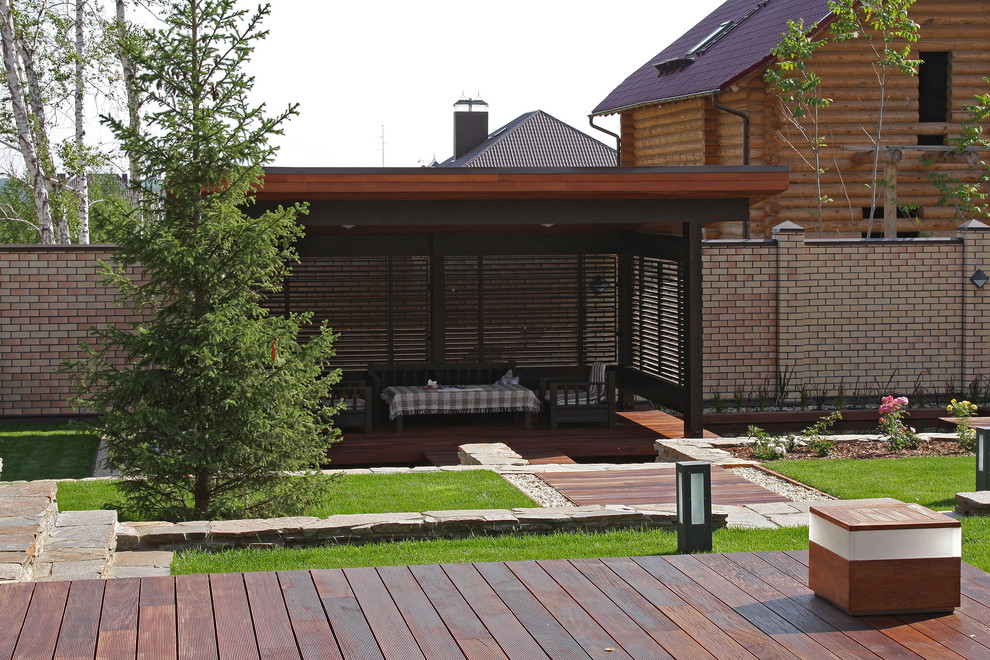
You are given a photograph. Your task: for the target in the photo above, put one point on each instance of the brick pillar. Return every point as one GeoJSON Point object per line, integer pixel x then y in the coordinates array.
{"type": "Point", "coordinates": [975, 301]}
{"type": "Point", "coordinates": [792, 301]}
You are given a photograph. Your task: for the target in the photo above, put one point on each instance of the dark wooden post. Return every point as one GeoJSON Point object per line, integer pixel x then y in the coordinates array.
{"type": "Point", "coordinates": [438, 300]}
{"type": "Point", "coordinates": [693, 331]}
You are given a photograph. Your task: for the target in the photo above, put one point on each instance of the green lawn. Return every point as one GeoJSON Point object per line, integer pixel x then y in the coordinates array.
{"type": "Point", "coordinates": [623, 543]}
{"type": "Point", "coordinates": [47, 451]}
{"type": "Point", "coordinates": [930, 481]}
{"type": "Point", "coordinates": [378, 493]}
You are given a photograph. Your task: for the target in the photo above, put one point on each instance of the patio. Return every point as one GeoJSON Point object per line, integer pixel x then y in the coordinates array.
{"type": "Point", "coordinates": [684, 606]}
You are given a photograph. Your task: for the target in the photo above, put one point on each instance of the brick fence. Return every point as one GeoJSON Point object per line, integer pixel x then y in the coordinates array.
{"type": "Point", "coordinates": [857, 313]}
{"type": "Point", "coordinates": [863, 314]}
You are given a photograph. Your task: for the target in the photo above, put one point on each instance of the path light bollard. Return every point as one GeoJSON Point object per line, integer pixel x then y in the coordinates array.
{"type": "Point", "coordinates": [982, 458]}
{"type": "Point", "coordinates": [694, 507]}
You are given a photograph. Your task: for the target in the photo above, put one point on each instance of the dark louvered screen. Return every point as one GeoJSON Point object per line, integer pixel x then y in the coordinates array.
{"type": "Point", "coordinates": [534, 310]}
{"type": "Point", "coordinates": [658, 346]}
{"type": "Point", "coordinates": [540, 311]}
{"type": "Point", "coordinates": [378, 305]}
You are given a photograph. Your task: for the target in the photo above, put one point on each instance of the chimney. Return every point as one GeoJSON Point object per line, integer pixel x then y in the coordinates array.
{"type": "Point", "coordinates": [470, 125]}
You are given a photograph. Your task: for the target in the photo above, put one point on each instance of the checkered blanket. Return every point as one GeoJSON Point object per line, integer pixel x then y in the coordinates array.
{"type": "Point", "coordinates": [471, 399]}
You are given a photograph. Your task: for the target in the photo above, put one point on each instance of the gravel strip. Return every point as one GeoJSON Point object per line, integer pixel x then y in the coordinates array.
{"type": "Point", "coordinates": [538, 490]}
{"type": "Point", "coordinates": [779, 486]}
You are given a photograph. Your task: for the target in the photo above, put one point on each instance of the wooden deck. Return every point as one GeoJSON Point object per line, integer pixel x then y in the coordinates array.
{"type": "Point", "coordinates": [433, 439]}
{"type": "Point", "coordinates": [652, 486]}
{"type": "Point", "coordinates": [684, 606]}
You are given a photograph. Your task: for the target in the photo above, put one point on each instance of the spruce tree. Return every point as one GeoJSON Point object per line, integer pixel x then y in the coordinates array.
{"type": "Point", "coordinates": [208, 403]}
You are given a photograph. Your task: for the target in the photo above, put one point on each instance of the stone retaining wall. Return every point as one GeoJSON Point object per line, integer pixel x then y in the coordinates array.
{"type": "Point", "coordinates": [367, 528]}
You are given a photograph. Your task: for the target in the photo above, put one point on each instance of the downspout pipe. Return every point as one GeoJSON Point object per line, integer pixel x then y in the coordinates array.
{"type": "Point", "coordinates": [618, 139]}
{"type": "Point", "coordinates": [745, 136]}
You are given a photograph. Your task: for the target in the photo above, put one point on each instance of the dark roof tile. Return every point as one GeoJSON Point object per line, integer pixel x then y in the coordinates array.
{"type": "Point", "coordinates": [742, 50]}
{"type": "Point", "coordinates": [537, 139]}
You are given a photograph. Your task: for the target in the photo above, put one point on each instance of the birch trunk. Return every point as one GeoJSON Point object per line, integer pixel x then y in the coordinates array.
{"type": "Point", "coordinates": [25, 136]}
{"type": "Point", "coordinates": [82, 178]}
{"type": "Point", "coordinates": [134, 117]}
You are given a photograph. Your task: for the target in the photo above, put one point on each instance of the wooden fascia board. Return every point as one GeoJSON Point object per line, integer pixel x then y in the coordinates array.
{"type": "Point", "coordinates": [754, 184]}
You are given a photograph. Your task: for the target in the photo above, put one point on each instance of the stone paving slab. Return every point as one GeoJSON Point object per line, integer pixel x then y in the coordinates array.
{"type": "Point", "coordinates": [145, 563]}
{"type": "Point", "coordinates": [973, 504]}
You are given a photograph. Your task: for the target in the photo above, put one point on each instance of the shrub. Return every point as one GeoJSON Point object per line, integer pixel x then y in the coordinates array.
{"type": "Point", "coordinates": [962, 411]}
{"type": "Point", "coordinates": [892, 427]}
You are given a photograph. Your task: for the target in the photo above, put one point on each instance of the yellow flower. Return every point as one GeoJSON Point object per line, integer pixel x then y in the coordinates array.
{"type": "Point", "coordinates": [953, 401]}
{"type": "Point", "coordinates": [948, 409]}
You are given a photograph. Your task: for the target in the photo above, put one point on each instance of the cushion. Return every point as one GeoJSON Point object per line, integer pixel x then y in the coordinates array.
{"type": "Point", "coordinates": [507, 379]}
{"type": "Point", "coordinates": [573, 398]}
{"type": "Point", "coordinates": [597, 390]}
{"type": "Point", "coordinates": [351, 405]}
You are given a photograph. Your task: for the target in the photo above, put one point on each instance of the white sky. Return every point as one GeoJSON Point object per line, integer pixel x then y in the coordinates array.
{"type": "Point", "coordinates": [355, 67]}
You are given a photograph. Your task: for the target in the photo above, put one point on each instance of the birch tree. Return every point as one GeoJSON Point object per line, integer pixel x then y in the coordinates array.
{"type": "Point", "coordinates": [30, 131]}
{"type": "Point", "coordinates": [886, 28]}
{"type": "Point", "coordinates": [52, 51]}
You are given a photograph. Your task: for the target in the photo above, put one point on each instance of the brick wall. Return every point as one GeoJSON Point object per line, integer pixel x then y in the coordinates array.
{"type": "Point", "coordinates": [851, 312]}
{"type": "Point", "coordinates": [49, 297]}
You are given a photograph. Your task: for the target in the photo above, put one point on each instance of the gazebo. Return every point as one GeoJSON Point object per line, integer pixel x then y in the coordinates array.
{"type": "Point", "coordinates": [550, 268]}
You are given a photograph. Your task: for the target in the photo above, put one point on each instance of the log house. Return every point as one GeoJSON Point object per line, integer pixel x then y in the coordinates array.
{"type": "Point", "coordinates": [669, 115]}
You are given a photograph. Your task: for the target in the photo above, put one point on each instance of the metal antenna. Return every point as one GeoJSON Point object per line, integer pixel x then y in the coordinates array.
{"type": "Point", "coordinates": [383, 145]}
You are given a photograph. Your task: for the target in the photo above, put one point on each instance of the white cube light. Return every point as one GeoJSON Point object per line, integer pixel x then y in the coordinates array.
{"type": "Point", "coordinates": [884, 557]}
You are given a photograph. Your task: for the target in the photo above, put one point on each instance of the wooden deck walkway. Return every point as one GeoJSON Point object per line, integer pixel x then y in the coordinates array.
{"type": "Point", "coordinates": [434, 439]}
{"type": "Point", "coordinates": [685, 606]}
{"type": "Point", "coordinates": [652, 486]}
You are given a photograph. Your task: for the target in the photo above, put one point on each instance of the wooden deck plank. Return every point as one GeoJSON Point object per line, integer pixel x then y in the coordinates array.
{"type": "Point", "coordinates": [232, 613]}
{"type": "Point", "coordinates": [675, 641]}
{"type": "Point", "coordinates": [629, 634]}
{"type": "Point", "coordinates": [739, 628]}
{"type": "Point", "coordinates": [424, 623]}
{"type": "Point", "coordinates": [947, 636]}
{"type": "Point", "coordinates": [792, 611]}
{"type": "Point", "coordinates": [544, 628]}
{"type": "Point", "coordinates": [705, 633]}
{"type": "Point", "coordinates": [659, 422]}
{"type": "Point", "coordinates": [195, 626]}
{"type": "Point", "coordinates": [272, 628]}
{"type": "Point", "coordinates": [81, 621]}
{"type": "Point", "coordinates": [39, 632]}
{"type": "Point", "coordinates": [652, 486]}
{"type": "Point", "coordinates": [777, 626]}
{"type": "Point", "coordinates": [309, 622]}
{"type": "Point", "coordinates": [501, 623]}
{"type": "Point", "coordinates": [394, 638]}
{"type": "Point", "coordinates": [349, 625]}
{"type": "Point", "coordinates": [119, 620]}
{"type": "Point", "coordinates": [13, 609]}
{"type": "Point", "coordinates": [911, 638]}
{"type": "Point", "coordinates": [587, 632]}
{"type": "Point", "coordinates": [156, 638]}
{"type": "Point", "coordinates": [742, 606]}
{"type": "Point", "coordinates": [464, 625]}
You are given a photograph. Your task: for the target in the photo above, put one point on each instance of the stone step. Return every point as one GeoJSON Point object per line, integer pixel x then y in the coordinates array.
{"type": "Point", "coordinates": [80, 547]}
{"type": "Point", "coordinates": [28, 512]}
{"type": "Point", "coordinates": [140, 563]}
